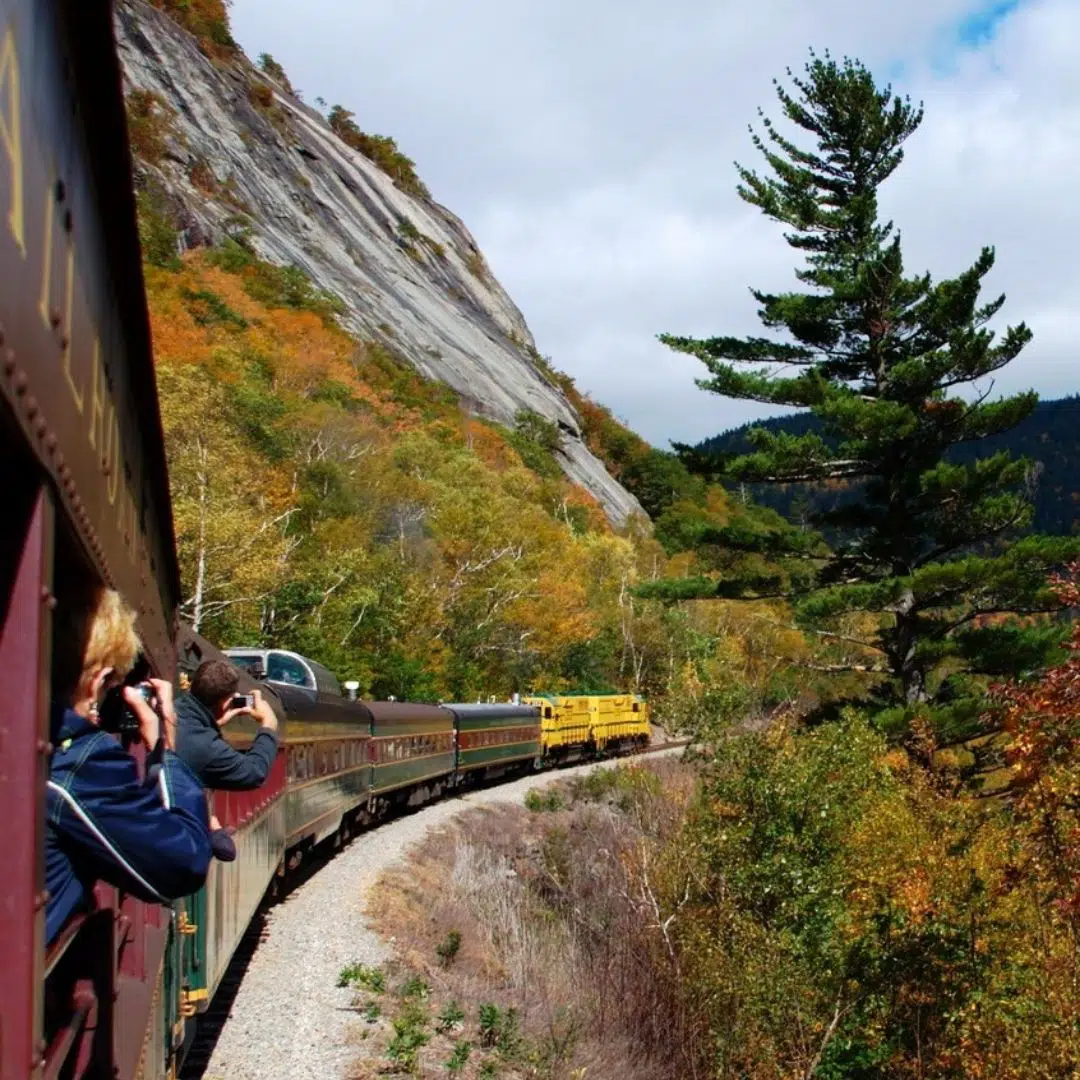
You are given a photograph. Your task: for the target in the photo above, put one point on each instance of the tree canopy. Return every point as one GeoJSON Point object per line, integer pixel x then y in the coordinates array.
{"type": "Point", "coordinates": [898, 369]}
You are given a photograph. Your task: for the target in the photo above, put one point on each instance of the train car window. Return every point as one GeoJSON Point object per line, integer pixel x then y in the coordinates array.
{"type": "Point", "coordinates": [251, 662]}
{"type": "Point", "coordinates": [547, 713]}
{"type": "Point", "coordinates": [287, 669]}
{"type": "Point", "coordinates": [636, 707]}
{"type": "Point", "coordinates": [325, 681]}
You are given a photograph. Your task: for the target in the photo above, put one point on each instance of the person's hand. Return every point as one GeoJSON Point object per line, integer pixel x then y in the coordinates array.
{"type": "Point", "coordinates": [149, 721]}
{"type": "Point", "coordinates": [232, 714]}
{"type": "Point", "coordinates": [263, 713]}
{"type": "Point", "coordinates": [164, 691]}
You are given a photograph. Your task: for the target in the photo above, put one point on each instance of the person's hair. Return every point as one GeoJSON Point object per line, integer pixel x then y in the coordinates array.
{"type": "Point", "coordinates": [213, 681]}
{"type": "Point", "coordinates": [93, 629]}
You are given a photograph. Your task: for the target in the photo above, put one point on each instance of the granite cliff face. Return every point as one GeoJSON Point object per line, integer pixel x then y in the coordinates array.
{"type": "Point", "coordinates": [407, 270]}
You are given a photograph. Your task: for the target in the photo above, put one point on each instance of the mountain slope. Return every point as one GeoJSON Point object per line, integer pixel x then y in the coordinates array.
{"type": "Point", "coordinates": [1050, 437]}
{"type": "Point", "coordinates": [230, 151]}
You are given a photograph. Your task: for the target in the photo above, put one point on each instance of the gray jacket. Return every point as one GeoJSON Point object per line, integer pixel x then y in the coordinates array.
{"type": "Point", "coordinates": [201, 746]}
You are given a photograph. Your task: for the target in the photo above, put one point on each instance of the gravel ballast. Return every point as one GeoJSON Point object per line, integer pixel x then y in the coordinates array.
{"type": "Point", "coordinates": [290, 1019]}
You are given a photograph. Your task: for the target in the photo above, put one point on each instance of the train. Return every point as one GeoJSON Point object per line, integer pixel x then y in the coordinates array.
{"type": "Point", "coordinates": [118, 993]}
{"type": "Point", "coordinates": [345, 764]}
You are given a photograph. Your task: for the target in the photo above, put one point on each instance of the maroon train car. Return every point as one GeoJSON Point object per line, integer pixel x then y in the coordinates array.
{"type": "Point", "coordinates": [85, 497]}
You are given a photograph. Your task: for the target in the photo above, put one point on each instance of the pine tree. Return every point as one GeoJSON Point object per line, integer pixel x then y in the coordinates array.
{"type": "Point", "coordinates": [929, 551]}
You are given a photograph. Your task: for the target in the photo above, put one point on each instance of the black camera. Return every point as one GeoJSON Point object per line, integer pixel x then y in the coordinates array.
{"type": "Point", "coordinates": [242, 701]}
{"type": "Point", "coordinates": [116, 717]}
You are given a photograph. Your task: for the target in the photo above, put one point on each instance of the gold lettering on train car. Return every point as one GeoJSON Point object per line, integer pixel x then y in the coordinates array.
{"type": "Point", "coordinates": [77, 395]}
{"type": "Point", "coordinates": [46, 266]}
{"type": "Point", "coordinates": [11, 134]}
{"type": "Point", "coordinates": [110, 458]}
{"type": "Point", "coordinates": [45, 302]}
{"type": "Point", "coordinates": [98, 400]}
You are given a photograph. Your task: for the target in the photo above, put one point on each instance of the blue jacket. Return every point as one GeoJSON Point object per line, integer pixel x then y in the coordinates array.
{"type": "Point", "coordinates": [217, 764]}
{"type": "Point", "coordinates": [149, 837]}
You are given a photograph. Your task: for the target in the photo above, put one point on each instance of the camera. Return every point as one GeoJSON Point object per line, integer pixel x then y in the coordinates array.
{"type": "Point", "coordinates": [116, 717]}
{"type": "Point", "coordinates": [242, 701]}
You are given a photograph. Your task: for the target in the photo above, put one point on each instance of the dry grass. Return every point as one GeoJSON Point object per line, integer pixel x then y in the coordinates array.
{"type": "Point", "coordinates": [562, 917]}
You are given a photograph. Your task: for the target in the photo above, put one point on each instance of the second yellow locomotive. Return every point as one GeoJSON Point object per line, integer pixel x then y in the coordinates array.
{"type": "Point", "coordinates": [579, 725]}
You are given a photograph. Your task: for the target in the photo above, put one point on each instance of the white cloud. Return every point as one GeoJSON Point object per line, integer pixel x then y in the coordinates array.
{"type": "Point", "coordinates": [589, 147]}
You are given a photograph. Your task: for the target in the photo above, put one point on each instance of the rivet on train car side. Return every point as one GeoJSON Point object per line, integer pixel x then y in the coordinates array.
{"type": "Point", "coordinates": [40, 426]}
{"type": "Point", "coordinates": [44, 747]}
{"type": "Point", "coordinates": [31, 407]}
{"type": "Point", "coordinates": [69, 222]}
{"type": "Point", "coordinates": [9, 362]}
{"type": "Point", "coordinates": [55, 318]}
{"type": "Point", "coordinates": [64, 343]}
{"type": "Point", "coordinates": [1, 333]}
{"type": "Point", "coordinates": [51, 442]}
{"type": "Point", "coordinates": [60, 191]}
{"type": "Point", "coordinates": [20, 382]}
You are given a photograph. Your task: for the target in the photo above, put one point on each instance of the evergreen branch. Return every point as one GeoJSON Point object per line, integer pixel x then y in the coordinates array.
{"type": "Point", "coordinates": [838, 669]}
{"type": "Point", "coordinates": [833, 470]}
{"type": "Point", "coordinates": [984, 612]}
{"type": "Point", "coordinates": [821, 633]}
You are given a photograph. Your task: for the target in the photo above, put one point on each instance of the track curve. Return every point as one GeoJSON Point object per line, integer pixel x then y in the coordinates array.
{"type": "Point", "coordinates": [280, 1012]}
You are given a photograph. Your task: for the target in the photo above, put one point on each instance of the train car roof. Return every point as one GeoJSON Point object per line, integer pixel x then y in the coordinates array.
{"type": "Point", "coordinates": [466, 709]}
{"type": "Point", "coordinates": [390, 711]}
{"type": "Point", "coordinates": [319, 669]}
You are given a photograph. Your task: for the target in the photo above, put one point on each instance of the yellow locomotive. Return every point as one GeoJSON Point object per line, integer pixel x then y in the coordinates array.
{"type": "Point", "coordinates": [574, 726]}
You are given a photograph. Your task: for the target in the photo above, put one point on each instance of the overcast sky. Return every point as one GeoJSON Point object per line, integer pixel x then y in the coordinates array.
{"type": "Point", "coordinates": [589, 146]}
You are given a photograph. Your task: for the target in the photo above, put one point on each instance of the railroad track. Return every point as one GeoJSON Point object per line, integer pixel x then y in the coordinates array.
{"type": "Point", "coordinates": [212, 1022]}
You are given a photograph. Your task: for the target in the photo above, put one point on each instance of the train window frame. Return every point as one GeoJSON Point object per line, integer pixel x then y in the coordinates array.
{"type": "Point", "coordinates": [280, 655]}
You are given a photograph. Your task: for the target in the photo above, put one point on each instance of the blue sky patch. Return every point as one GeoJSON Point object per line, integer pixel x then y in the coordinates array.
{"type": "Point", "coordinates": [980, 27]}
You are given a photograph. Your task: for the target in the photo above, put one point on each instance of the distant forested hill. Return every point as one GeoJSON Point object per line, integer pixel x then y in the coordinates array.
{"type": "Point", "coordinates": [1050, 436]}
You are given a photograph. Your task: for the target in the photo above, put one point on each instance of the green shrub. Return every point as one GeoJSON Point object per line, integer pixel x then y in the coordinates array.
{"type": "Point", "coordinates": [414, 987]}
{"type": "Point", "coordinates": [231, 255]}
{"type": "Point", "coordinates": [500, 1029]}
{"type": "Point", "coordinates": [448, 948]}
{"type": "Point", "coordinates": [208, 309]}
{"type": "Point", "coordinates": [336, 393]}
{"type": "Point", "coordinates": [367, 978]}
{"type": "Point", "coordinates": [544, 801]}
{"type": "Point", "coordinates": [157, 234]}
{"type": "Point", "coordinates": [536, 439]}
{"type": "Point", "coordinates": [457, 1061]}
{"type": "Point", "coordinates": [381, 149]}
{"type": "Point", "coordinates": [275, 286]}
{"type": "Point", "coordinates": [409, 1038]}
{"type": "Point", "coordinates": [407, 229]}
{"type": "Point", "coordinates": [150, 125]}
{"type": "Point", "coordinates": [449, 1018]}
{"type": "Point", "coordinates": [276, 72]}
